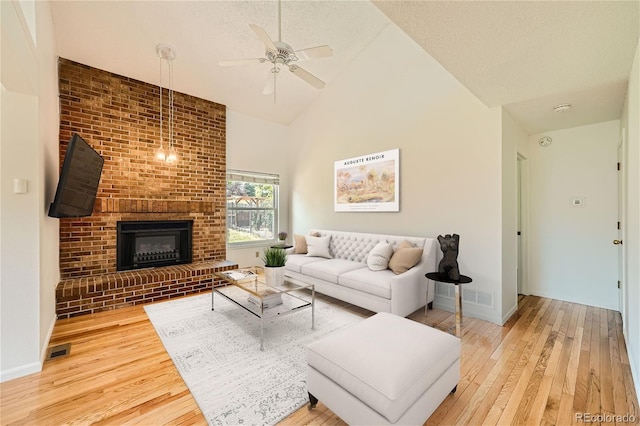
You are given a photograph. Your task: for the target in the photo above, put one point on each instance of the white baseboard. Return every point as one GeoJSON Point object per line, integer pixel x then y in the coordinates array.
{"type": "Point", "coordinates": [635, 366]}
{"type": "Point", "coordinates": [571, 300]}
{"type": "Point", "coordinates": [34, 367]}
{"type": "Point", "coordinates": [473, 311]}
{"type": "Point", "coordinates": [508, 315]}
{"type": "Point", "coordinates": [43, 350]}
{"type": "Point", "coordinates": [20, 371]}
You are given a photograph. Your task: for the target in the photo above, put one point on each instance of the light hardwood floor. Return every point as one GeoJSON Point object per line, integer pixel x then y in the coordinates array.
{"type": "Point", "coordinates": [551, 360]}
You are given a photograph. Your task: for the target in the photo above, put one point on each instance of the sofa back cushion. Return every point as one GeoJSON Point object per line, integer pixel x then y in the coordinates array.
{"type": "Point", "coordinates": [356, 246]}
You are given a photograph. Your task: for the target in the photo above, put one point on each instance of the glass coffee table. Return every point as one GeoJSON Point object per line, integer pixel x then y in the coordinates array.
{"type": "Point", "coordinates": [247, 289]}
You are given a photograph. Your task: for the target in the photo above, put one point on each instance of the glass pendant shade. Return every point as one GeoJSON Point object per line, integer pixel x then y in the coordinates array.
{"type": "Point", "coordinates": [160, 155]}
{"type": "Point", "coordinates": [166, 53]}
{"type": "Point", "coordinates": [172, 157]}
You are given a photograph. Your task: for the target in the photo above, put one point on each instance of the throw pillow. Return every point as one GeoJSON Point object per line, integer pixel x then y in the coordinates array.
{"type": "Point", "coordinates": [318, 246]}
{"type": "Point", "coordinates": [300, 244]}
{"type": "Point", "coordinates": [378, 258]}
{"type": "Point", "coordinates": [405, 257]}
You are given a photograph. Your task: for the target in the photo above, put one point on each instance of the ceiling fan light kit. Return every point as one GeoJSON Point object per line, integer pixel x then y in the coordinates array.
{"type": "Point", "coordinates": [281, 54]}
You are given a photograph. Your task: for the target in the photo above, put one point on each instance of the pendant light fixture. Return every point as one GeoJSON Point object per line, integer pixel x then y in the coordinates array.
{"type": "Point", "coordinates": [166, 54]}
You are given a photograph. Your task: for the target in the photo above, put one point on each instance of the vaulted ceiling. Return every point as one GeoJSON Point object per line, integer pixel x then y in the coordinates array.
{"type": "Point", "coordinates": [526, 55]}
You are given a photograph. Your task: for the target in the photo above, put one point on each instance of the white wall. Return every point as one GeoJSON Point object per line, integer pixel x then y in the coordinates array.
{"type": "Point", "coordinates": [28, 240]}
{"type": "Point", "coordinates": [394, 95]}
{"type": "Point", "coordinates": [571, 252]}
{"type": "Point", "coordinates": [631, 122]}
{"type": "Point", "coordinates": [513, 136]}
{"type": "Point", "coordinates": [48, 170]}
{"type": "Point", "coordinates": [258, 146]}
{"type": "Point", "coordinates": [20, 310]}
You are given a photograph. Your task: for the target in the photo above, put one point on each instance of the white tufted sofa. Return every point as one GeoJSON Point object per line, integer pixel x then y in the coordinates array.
{"type": "Point", "coordinates": [347, 277]}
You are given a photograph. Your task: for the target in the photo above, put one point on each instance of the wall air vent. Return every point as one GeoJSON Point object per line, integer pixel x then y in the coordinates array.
{"type": "Point", "coordinates": [469, 296]}
{"type": "Point", "coordinates": [58, 351]}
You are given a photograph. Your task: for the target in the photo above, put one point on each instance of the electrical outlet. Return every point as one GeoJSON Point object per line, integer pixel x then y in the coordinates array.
{"type": "Point", "coordinates": [257, 254]}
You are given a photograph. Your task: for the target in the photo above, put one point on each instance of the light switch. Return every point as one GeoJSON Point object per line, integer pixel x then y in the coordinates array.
{"type": "Point", "coordinates": [20, 186]}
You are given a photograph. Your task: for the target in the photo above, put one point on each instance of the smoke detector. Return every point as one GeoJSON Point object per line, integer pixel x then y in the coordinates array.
{"type": "Point", "coordinates": [544, 141]}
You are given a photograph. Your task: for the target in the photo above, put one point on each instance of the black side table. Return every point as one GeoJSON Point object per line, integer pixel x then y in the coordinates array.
{"type": "Point", "coordinates": [282, 246]}
{"type": "Point", "coordinates": [444, 278]}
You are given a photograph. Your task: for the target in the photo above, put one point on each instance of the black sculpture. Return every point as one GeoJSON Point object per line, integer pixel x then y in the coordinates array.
{"type": "Point", "coordinates": [449, 263]}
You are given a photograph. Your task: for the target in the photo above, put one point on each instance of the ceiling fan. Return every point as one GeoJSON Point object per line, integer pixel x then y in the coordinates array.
{"type": "Point", "coordinates": [280, 54]}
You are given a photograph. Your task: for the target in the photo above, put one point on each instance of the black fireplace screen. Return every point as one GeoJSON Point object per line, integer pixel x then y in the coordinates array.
{"type": "Point", "coordinates": [154, 243]}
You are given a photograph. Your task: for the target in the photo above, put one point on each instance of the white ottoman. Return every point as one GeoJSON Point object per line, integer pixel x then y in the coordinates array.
{"type": "Point", "coordinates": [383, 370]}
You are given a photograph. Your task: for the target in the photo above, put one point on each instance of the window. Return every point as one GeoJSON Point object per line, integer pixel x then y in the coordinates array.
{"type": "Point", "coordinates": [252, 207]}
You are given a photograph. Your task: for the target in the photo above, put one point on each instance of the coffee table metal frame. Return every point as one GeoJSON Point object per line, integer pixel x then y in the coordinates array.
{"type": "Point", "coordinates": [238, 293]}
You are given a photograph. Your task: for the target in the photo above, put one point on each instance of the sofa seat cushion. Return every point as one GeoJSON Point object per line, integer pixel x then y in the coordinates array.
{"type": "Point", "coordinates": [330, 270]}
{"type": "Point", "coordinates": [377, 283]}
{"type": "Point", "coordinates": [295, 261]}
{"type": "Point", "coordinates": [385, 361]}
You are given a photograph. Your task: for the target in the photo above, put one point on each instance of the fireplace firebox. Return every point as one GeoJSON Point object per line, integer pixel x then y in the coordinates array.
{"type": "Point", "coordinates": [153, 243]}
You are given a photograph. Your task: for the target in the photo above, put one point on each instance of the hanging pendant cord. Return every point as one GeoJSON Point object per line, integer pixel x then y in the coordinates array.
{"type": "Point", "coordinates": [160, 86]}
{"type": "Point", "coordinates": [170, 103]}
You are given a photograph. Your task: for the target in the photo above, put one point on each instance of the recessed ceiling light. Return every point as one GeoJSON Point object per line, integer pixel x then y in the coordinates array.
{"type": "Point", "coordinates": [562, 107]}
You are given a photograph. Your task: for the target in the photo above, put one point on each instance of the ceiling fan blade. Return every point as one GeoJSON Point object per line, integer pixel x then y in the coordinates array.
{"type": "Point", "coordinates": [262, 35]}
{"type": "Point", "coordinates": [270, 84]}
{"type": "Point", "coordinates": [307, 76]}
{"type": "Point", "coordinates": [314, 52]}
{"type": "Point", "coordinates": [248, 61]}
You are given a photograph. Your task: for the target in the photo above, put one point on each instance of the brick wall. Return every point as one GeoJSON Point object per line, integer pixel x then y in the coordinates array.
{"type": "Point", "coordinates": [119, 117]}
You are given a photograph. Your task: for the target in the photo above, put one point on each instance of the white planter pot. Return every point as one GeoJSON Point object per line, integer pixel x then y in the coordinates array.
{"type": "Point", "coordinates": [274, 275]}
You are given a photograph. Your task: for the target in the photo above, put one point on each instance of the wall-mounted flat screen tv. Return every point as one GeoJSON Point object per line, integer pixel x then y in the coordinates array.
{"type": "Point", "coordinates": [79, 179]}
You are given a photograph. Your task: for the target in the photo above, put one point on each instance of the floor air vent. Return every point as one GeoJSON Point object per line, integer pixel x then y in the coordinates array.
{"type": "Point", "coordinates": [58, 351]}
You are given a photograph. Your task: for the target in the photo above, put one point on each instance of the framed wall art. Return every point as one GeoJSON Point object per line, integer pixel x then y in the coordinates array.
{"type": "Point", "coordinates": [369, 183]}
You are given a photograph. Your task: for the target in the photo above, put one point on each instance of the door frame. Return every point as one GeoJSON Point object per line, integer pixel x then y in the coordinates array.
{"type": "Point", "coordinates": [523, 224]}
{"type": "Point", "coordinates": [622, 232]}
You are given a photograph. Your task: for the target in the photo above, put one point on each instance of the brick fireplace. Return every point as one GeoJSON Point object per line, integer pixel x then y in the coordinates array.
{"type": "Point", "coordinates": [142, 245]}
{"type": "Point", "coordinates": [119, 118]}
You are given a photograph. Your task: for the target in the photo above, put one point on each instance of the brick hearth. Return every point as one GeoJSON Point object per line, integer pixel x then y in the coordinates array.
{"type": "Point", "coordinates": [119, 117]}
{"type": "Point", "coordinates": [97, 293]}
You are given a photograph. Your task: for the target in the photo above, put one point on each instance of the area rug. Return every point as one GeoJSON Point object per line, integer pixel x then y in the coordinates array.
{"type": "Point", "coordinates": [218, 355]}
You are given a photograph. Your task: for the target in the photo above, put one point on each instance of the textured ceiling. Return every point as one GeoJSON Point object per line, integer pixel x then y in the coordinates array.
{"type": "Point", "coordinates": [121, 36]}
{"type": "Point", "coordinates": [526, 55]}
{"type": "Point", "coordinates": [531, 55]}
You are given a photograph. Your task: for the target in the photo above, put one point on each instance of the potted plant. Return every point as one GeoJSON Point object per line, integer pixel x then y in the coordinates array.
{"type": "Point", "coordinates": [282, 237]}
{"type": "Point", "coordinates": [274, 259]}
